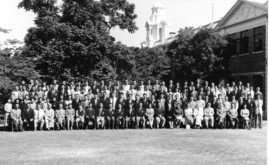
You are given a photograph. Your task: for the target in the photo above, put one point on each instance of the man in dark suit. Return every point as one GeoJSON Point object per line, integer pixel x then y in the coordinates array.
{"type": "Point", "coordinates": [28, 117]}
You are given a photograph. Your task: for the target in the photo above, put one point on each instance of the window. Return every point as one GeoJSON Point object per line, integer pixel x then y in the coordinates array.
{"type": "Point", "coordinates": [258, 39]}
{"type": "Point", "coordinates": [232, 44]}
{"type": "Point", "coordinates": [244, 42]}
{"type": "Point", "coordinates": [234, 40]}
{"type": "Point", "coordinates": [161, 33]}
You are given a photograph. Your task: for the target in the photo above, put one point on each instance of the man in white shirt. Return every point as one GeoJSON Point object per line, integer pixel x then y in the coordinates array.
{"type": "Point", "coordinates": [39, 117]}
{"type": "Point", "coordinates": [258, 111]}
{"type": "Point", "coordinates": [7, 108]}
{"type": "Point", "coordinates": [125, 88]}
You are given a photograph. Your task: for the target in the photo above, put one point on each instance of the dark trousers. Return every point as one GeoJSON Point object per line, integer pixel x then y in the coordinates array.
{"type": "Point", "coordinates": [120, 121]}
{"type": "Point", "coordinates": [28, 125]}
{"type": "Point", "coordinates": [90, 119]}
{"type": "Point", "coordinates": [110, 123]}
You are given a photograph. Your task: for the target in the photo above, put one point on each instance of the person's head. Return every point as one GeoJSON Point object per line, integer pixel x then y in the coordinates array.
{"type": "Point", "coordinates": [159, 104]}
{"type": "Point", "coordinates": [145, 95]}
{"type": "Point", "coordinates": [80, 107]}
{"type": "Point", "coordinates": [9, 100]}
{"type": "Point", "coordinates": [245, 106]}
{"type": "Point", "coordinates": [233, 97]}
{"type": "Point", "coordinates": [120, 106]}
{"type": "Point", "coordinates": [208, 104]}
{"type": "Point", "coordinates": [169, 105]}
{"type": "Point", "coordinates": [90, 105]}
{"type": "Point", "coordinates": [61, 106]}
{"type": "Point", "coordinates": [258, 97]}
{"type": "Point", "coordinates": [121, 95]}
{"type": "Point", "coordinates": [130, 106]}
{"type": "Point", "coordinates": [17, 106]}
{"type": "Point", "coordinates": [150, 105]}
{"type": "Point", "coordinates": [191, 98]}
{"type": "Point", "coordinates": [38, 106]}
{"type": "Point", "coordinates": [140, 105]}
{"type": "Point", "coordinates": [258, 89]}
{"type": "Point", "coordinates": [199, 97]}
{"type": "Point", "coordinates": [192, 83]}
{"type": "Point", "coordinates": [233, 105]}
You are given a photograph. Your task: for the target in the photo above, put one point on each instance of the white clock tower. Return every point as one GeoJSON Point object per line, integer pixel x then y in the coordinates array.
{"type": "Point", "coordinates": [157, 28]}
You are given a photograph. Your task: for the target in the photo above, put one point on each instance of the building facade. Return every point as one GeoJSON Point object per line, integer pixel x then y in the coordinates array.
{"type": "Point", "coordinates": [246, 25]}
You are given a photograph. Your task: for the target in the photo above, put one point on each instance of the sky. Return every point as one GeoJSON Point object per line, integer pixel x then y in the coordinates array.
{"type": "Point", "coordinates": [180, 13]}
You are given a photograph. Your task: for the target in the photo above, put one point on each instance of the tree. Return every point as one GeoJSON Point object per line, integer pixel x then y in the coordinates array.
{"type": "Point", "coordinates": [180, 53]}
{"type": "Point", "coordinates": [150, 63]}
{"type": "Point", "coordinates": [13, 69]}
{"type": "Point", "coordinates": [73, 40]}
{"type": "Point", "coordinates": [199, 53]}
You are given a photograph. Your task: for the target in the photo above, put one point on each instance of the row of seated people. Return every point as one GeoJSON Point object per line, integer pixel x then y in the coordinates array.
{"type": "Point", "coordinates": [140, 112]}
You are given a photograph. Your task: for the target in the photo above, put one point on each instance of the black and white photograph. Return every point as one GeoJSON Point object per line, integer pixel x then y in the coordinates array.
{"type": "Point", "coordinates": [136, 82]}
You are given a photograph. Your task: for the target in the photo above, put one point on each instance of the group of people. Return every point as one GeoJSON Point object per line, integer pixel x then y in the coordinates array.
{"type": "Point", "coordinates": [115, 105]}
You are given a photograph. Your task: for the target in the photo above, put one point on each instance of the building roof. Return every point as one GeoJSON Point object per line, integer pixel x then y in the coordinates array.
{"type": "Point", "coordinates": [263, 6]}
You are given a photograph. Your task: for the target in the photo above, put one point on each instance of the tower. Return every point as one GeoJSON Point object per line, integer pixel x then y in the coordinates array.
{"type": "Point", "coordinates": [157, 28]}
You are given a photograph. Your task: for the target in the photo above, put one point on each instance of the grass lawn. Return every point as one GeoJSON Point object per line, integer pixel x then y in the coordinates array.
{"type": "Point", "coordinates": [177, 146]}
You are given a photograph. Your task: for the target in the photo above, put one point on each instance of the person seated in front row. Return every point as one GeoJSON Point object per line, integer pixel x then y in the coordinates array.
{"type": "Point", "coordinates": [178, 115]}
{"type": "Point", "coordinates": [150, 115]}
{"type": "Point", "coordinates": [110, 117]}
{"type": "Point", "coordinates": [100, 117]}
{"type": "Point", "coordinates": [49, 117]}
{"type": "Point", "coordinates": [39, 117]}
{"type": "Point", "coordinates": [28, 117]}
{"type": "Point", "coordinates": [220, 116]}
{"type": "Point", "coordinates": [70, 116]}
{"type": "Point", "coordinates": [232, 116]}
{"type": "Point", "coordinates": [60, 117]}
{"type": "Point", "coordinates": [90, 116]}
{"type": "Point", "coordinates": [199, 112]}
{"type": "Point", "coordinates": [160, 116]}
{"type": "Point", "coordinates": [80, 116]}
{"type": "Point", "coordinates": [170, 115]}
{"type": "Point", "coordinates": [129, 116]}
{"type": "Point", "coordinates": [189, 115]}
{"type": "Point", "coordinates": [16, 120]}
{"type": "Point", "coordinates": [140, 116]}
{"type": "Point", "coordinates": [245, 116]}
{"type": "Point", "coordinates": [209, 116]}
{"type": "Point", "coordinates": [119, 116]}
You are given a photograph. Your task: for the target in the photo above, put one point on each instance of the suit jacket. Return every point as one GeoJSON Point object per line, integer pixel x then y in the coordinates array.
{"type": "Point", "coordinates": [27, 114]}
